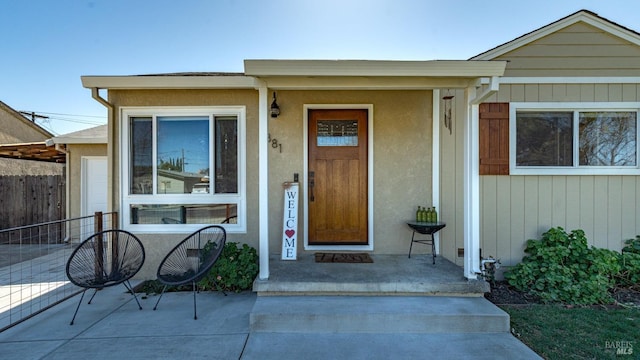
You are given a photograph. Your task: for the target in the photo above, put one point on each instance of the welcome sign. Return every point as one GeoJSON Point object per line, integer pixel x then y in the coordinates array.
{"type": "Point", "coordinates": [290, 221]}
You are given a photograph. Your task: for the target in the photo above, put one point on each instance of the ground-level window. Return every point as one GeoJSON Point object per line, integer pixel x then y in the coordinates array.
{"type": "Point", "coordinates": [568, 139]}
{"type": "Point", "coordinates": [182, 168]}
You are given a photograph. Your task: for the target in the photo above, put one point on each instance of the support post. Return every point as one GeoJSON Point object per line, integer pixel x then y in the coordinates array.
{"type": "Point", "coordinates": [435, 161]}
{"type": "Point", "coordinates": [471, 187]}
{"type": "Point", "coordinates": [97, 222]}
{"type": "Point", "coordinates": [263, 181]}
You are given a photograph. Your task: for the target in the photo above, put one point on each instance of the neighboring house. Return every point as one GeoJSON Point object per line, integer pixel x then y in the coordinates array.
{"type": "Point", "coordinates": [505, 145]}
{"type": "Point", "coordinates": [15, 128]}
{"type": "Point", "coordinates": [22, 142]}
{"type": "Point", "coordinates": [22, 139]}
{"type": "Point", "coordinates": [85, 154]}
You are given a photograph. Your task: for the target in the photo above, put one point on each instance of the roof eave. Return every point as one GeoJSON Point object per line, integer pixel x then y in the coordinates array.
{"type": "Point", "coordinates": [374, 68]}
{"type": "Point", "coordinates": [78, 140]}
{"type": "Point", "coordinates": [168, 82]}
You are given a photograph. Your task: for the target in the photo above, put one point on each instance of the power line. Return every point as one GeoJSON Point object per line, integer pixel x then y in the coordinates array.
{"type": "Point", "coordinates": [74, 118]}
{"type": "Point", "coordinates": [93, 116]}
{"type": "Point", "coordinates": [33, 115]}
{"type": "Point", "coordinates": [89, 122]}
{"type": "Point", "coordinates": [46, 121]}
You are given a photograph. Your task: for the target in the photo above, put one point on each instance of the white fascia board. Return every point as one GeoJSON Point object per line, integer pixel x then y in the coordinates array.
{"type": "Point", "coordinates": [435, 68]}
{"type": "Point", "coordinates": [568, 80]}
{"type": "Point", "coordinates": [587, 18]}
{"type": "Point", "coordinates": [78, 140]}
{"type": "Point", "coordinates": [365, 83]}
{"type": "Point", "coordinates": [170, 82]}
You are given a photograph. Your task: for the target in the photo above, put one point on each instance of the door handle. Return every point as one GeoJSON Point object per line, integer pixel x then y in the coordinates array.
{"type": "Point", "coordinates": [312, 183]}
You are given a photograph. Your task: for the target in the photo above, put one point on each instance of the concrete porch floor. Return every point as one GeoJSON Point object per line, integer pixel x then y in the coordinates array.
{"type": "Point", "coordinates": [241, 326]}
{"type": "Point", "coordinates": [387, 275]}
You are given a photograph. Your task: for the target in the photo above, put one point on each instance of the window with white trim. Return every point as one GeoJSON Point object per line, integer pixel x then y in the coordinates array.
{"type": "Point", "coordinates": [585, 138]}
{"type": "Point", "coordinates": [183, 168]}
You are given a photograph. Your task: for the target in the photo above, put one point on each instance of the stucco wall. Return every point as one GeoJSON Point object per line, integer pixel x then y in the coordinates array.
{"type": "Point", "coordinates": [158, 245]}
{"type": "Point", "coordinates": [75, 154]}
{"type": "Point", "coordinates": [402, 157]}
{"type": "Point", "coordinates": [29, 167]}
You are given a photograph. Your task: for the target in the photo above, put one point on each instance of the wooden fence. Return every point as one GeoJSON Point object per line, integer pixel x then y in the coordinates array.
{"type": "Point", "coordinates": [26, 200]}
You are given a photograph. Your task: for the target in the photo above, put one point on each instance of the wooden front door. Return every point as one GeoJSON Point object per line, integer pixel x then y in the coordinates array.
{"type": "Point", "coordinates": [337, 178]}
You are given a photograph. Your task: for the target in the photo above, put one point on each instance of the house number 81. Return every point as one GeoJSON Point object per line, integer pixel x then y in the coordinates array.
{"type": "Point", "coordinates": [275, 144]}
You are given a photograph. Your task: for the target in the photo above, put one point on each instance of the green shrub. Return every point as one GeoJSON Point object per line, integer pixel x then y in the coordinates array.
{"type": "Point", "coordinates": [632, 245]}
{"type": "Point", "coordinates": [235, 270]}
{"type": "Point", "coordinates": [629, 275]}
{"type": "Point", "coordinates": [561, 267]}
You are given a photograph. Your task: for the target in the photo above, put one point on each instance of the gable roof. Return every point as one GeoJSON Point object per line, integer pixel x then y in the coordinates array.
{"type": "Point", "coordinates": [94, 135]}
{"type": "Point", "coordinates": [19, 117]}
{"type": "Point", "coordinates": [585, 16]}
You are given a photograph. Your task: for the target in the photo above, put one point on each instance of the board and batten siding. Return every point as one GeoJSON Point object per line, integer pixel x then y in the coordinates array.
{"type": "Point", "coordinates": [515, 208]}
{"type": "Point", "coordinates": [452, 178]}
{"type": "Point", "coordinates": [577, 50]}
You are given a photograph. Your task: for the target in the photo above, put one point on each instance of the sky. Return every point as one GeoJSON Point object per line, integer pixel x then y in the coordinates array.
{"type": "Point", "coordinates": [47, 45]}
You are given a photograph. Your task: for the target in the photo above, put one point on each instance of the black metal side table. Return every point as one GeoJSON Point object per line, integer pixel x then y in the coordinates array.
{"type": "Point", "coordinates": [425, 228]}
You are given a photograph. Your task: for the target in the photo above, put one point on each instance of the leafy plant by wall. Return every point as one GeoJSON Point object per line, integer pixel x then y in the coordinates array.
{"type": "Point", "coordinates": [235, 270]}
{"type": "Point", "coordinates": [629, 275]}
{"type": "Point", "coordinates": [561, 267]}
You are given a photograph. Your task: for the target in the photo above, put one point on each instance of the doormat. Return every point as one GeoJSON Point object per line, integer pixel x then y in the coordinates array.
{"type": "Point", "coordinates": [343, 258]}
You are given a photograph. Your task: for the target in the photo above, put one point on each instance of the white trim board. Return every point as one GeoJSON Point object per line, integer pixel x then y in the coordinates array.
{"type": "Point", "coordinates": [572, 170]}
{"type": "Point", "coordinates": [567, 80]}
{"type": "Point", "coordinates": [125, 198]}
{"type": "Point", "coordinates": [435, 160]}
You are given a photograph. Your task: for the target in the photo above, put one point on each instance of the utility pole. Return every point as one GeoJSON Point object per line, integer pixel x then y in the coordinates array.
{"type": "Point", "coordinates": [33, 115]}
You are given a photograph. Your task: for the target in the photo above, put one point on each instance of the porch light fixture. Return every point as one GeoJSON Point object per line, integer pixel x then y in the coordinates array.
{"type": "Point", "coordinates": [275, 109]}
{"type": "Point", "coordinates": [447, 112]}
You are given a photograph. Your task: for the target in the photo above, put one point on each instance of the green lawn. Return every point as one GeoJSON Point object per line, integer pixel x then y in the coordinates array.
{"type": "Point", "coordinates": [559, 332]}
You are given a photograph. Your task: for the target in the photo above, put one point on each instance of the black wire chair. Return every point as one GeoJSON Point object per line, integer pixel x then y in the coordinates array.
{"type": "Point", "coordinates": [108, 258]}
{"type": "Point", "coordinates": [191, 260]}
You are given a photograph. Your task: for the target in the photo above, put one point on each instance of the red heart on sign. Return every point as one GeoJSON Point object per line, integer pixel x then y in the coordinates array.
{"type": "Point", "coordinates": [289, 233]}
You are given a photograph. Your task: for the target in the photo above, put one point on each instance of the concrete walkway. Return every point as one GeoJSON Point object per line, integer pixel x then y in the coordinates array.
{"type": "Point", "coordinates": [112, 327]}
